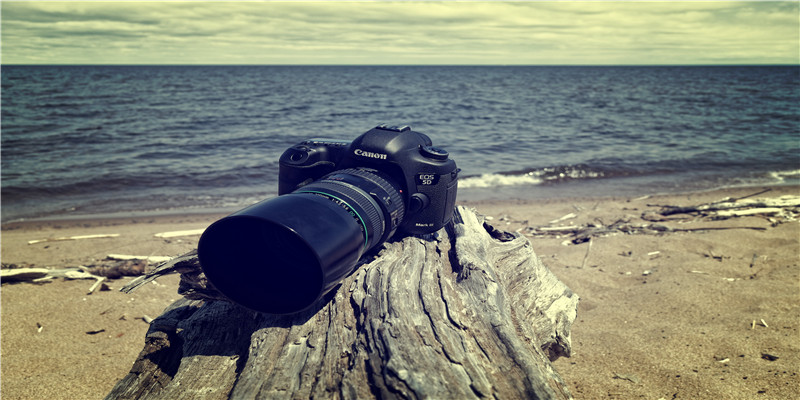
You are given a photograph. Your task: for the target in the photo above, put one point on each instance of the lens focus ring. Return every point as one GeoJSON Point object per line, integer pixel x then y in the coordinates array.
{"type": "Point", "coordinates": [369, 190]}
{"type": "Point", "coordinates": [364, 206]}
{"type": "Point", "coordinates": [395, 202]}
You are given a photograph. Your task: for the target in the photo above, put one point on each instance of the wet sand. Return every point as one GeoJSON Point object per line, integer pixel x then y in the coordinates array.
{"type": "Point", "coordinates": [661, 316]}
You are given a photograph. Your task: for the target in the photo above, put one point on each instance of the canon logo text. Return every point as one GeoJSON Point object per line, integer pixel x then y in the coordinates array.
{"type": "Point", "coordinates": [370, 154]}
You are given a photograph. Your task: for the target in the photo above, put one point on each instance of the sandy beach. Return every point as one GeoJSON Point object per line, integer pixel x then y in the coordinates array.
{"type": "Point", "coordinates": [707, 309]}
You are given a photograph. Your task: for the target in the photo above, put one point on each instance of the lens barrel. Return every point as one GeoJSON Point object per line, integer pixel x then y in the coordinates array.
{"type": "Point", "coordinates": [283, 254]}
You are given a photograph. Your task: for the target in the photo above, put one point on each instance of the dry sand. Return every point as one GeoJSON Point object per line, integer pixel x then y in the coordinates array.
{"type": "Point", "coordinates": [661, 316]}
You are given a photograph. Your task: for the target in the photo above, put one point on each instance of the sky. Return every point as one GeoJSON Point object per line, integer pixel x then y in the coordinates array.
{"type": "Point", "coordinates": [400, 33]}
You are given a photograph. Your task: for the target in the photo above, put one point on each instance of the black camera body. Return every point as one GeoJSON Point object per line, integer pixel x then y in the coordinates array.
{"type": "Point", "coordinates": [427, 177]}
{"type": "Point", "coordinates": [337, 201]}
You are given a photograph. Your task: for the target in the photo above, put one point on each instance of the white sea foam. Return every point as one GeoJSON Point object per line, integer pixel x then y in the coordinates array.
{"type": "Point", "coordinates": [782, 176]}
{"type": "Point", "coordinates": [529, 178]}
{"type": "Point", "coordinates": [494, 180]}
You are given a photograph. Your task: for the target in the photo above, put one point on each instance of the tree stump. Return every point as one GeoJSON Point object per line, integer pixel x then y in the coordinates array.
{"type": "Point", "coordinates": [468, 312]}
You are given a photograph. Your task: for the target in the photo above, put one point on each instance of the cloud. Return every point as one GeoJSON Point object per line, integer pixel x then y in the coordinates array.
{"type": "Point", "coordinates": [399, 32]}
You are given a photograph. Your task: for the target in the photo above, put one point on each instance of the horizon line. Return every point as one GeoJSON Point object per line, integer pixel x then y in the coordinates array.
{"type": "Point", "coordinates": [402, 65]}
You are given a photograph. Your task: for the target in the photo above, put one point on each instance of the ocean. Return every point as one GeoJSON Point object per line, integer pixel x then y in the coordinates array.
{"type": "Point", "coordinates": [107, 140]}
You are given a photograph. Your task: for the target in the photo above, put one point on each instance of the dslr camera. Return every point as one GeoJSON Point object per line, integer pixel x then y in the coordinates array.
{"type": "Point", "coordinates": [336, 201]}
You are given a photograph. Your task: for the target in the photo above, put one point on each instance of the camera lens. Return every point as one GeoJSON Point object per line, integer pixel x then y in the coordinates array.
{"type": "Point", "coordinates": [283, 254]}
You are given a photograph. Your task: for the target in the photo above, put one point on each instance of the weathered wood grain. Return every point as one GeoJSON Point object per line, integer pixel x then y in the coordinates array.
{"type": "Point", "coordinates": [469, 312]}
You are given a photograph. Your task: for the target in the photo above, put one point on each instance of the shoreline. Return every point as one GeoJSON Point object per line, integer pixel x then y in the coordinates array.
{"type": "Point", "coordinates": [684, 329]}
{"type": "Point", "coordinates": [594, 188]}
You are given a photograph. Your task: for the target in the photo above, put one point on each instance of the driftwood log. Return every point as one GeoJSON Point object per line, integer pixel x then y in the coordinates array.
{"type": "Point", "coordinates": [776, 210]}
{"type": "Point", "coordinates": [470, 312]}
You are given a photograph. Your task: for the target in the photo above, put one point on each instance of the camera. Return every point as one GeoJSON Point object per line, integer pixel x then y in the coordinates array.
{"type": "Point", "coordinates": [336, 201]}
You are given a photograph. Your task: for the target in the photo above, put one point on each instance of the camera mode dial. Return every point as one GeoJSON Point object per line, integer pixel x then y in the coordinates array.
{"type": "Point", "coordinates": [297, 154]}
{"type": "Point", "coordinates": [434, 153]}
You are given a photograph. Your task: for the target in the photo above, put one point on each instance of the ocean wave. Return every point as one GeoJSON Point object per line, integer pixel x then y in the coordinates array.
{"type": "Point", "coordinates": [783, 176]}
{"type": "Point", "coordinates": [532, 176]}
{"type": "Point", "coordinates": [494, 180]}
